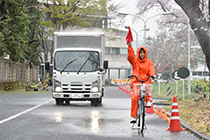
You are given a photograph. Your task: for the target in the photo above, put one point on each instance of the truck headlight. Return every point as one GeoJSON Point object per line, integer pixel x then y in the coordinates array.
{"type": "Point", "coordinates": [57, 86]}
{"type": "Point", "coordinates": [94, 89]}
{"type": "Point", "coordinates": [95, 86]}
{"type": "Point", "coordinates": [58, 89]}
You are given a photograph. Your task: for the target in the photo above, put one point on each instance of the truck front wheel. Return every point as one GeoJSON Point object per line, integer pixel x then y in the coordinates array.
{"type": "Point", "coordinates": [96, 102]}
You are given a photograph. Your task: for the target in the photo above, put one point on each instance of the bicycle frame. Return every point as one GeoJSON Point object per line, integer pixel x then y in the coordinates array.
{"type": "Point", "coordinates": [141, 110]}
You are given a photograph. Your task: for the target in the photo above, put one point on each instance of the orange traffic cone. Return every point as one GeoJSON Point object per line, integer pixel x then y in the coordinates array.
{"type": "Point", "coordinates": [161, 113]}
{"type": "Point", "coordinates": [165, 118]}
{"type": "Point", "coordinates": [169, 120]}
{"type": "Point", "coordinates": [157, 111]}
{"type": "Point", "coordinates": [175, 120]}
{"type": "Point", "coordinates": [150, 110]}
{"type": "Point", "coordinates": [120, 87]}
{"type": "Point", "coordinates": [124, 86]}
{"type": "Point", "coordinates": [128, 89]}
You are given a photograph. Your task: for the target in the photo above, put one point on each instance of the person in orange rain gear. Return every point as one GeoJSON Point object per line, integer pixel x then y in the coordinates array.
{"type": "Point", "coordinates": [142, 68]}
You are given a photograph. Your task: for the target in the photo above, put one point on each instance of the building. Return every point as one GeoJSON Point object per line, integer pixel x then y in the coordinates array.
{"type": "Point", "coordinates": [200, 70]}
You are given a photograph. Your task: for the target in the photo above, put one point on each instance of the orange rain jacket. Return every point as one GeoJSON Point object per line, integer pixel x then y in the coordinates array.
{"type": "Point", "coordinates": [141, 68]}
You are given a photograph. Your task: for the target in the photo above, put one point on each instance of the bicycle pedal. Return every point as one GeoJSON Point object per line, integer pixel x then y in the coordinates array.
{"type": "Point", "coordinates": [133, 122]}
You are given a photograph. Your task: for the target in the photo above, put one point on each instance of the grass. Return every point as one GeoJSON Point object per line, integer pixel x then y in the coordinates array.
{"type": "Point", "coordinates": [179, 92]}
{"type": "Point", "coordinates": [195, 113]}
{"type": "Point", "coordinates": [21, 91]}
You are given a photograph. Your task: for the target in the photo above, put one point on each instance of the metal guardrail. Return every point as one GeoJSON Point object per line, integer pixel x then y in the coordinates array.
{"type": "Point", "coordinates": [118, 73]}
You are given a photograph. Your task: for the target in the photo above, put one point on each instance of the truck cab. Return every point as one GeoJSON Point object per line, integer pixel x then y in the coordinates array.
{"type": "Point", "coordinates": [78, 68]}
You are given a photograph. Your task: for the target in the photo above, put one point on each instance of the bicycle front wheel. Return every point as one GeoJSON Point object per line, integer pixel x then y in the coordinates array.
{"type": "Point", "coordinates": [142, 114]}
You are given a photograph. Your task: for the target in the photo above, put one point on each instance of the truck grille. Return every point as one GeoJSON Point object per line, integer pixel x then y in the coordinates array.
{"type": "Point", "coordinates": [76, 88]}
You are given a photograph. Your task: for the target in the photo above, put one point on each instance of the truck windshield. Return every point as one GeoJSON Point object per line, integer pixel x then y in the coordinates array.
{"type": "Point", "coordinates": [90, 59]}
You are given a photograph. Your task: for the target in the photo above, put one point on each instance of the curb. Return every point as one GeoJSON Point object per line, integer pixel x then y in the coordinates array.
{"type": "Point", "coordinates": [158, 103]}
{"type": "Point", "coordinates": [166, 104]}
{"type": "Point", "coordinates": [161, 99]}
{"type": "Point", "coordinates": [188, 128]}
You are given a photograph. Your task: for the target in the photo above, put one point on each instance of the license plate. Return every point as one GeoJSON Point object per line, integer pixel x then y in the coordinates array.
{"type": "Point", "coordinates": [76, 96]}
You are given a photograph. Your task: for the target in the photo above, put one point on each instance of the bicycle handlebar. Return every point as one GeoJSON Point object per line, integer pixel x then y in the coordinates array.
{"type": "Point", "coordinates": [131, 76]}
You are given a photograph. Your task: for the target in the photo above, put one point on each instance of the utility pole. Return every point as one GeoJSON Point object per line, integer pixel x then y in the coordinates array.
{"type": "Point", "coordinates": [189, 67]}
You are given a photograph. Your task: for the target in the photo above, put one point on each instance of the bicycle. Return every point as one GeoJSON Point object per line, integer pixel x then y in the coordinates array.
{"type": "Point", "coordinates": [9, 87]}
{"type": "Point", "coordinates": [142, 90]}
{"type": "Point", "coordinates": [42, 86]}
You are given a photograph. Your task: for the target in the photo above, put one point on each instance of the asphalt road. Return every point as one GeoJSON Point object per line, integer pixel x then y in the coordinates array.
{"type": "Point", "coordinates": [35, 116]}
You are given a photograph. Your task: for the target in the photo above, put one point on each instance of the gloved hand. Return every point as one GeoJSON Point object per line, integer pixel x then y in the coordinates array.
{"type": "Point", "coordinates": [129, 44]}
{"type": "Point", "coordinates": [154, 78]}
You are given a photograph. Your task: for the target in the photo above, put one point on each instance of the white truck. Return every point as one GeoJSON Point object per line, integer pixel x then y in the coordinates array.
{"type": "Point", "coordinates": [79, 67]}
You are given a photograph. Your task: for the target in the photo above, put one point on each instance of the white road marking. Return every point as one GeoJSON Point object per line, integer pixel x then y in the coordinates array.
{"type": "Point", "coordinates": [23, 112]}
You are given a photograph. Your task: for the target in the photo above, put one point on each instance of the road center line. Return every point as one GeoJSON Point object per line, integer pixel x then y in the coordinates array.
{"type": "Point", "coordinates": [23, 112]}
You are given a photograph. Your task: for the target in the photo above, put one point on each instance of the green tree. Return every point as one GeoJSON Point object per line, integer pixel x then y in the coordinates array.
{"type": "Point", "coordinates": [13, 27]}
{"type": "Point", "coordinates": [33, 51]}
{"type": "Point", "coordinates": [60, 15]}
{"type": "Point", "coordinates": [67, 14]}
{"type": "Point", "coordinates": [19, 22]}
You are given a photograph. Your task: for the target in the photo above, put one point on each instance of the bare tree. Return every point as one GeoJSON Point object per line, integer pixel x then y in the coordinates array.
{"type": "Point", "coordinates": [198, 12]}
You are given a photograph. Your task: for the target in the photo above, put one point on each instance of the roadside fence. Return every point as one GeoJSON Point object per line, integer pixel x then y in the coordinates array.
{"type": "Point", "coordinates": [11, 71]}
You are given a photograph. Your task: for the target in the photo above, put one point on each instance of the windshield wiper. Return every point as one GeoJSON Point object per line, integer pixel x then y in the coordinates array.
{"type": "Point", "coordinates": [83, 64]}
{"type": "Point", "coordinates": [93, 60]}
{"type": "Point", "coordinates": [67, 65]}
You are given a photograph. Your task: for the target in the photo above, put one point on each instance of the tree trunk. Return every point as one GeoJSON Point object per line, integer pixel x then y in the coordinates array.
{"type": "Point", "coordinates": [3, 9]}
{"type": "Point", "coordinates": [200, 27]}
{"type": "Point", "coordinates": [46, 51]}
{"type": "Point", "coordinates": [51, 50]}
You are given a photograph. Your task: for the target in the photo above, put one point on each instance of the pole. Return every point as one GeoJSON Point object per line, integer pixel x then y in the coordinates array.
{"type": "Point", "coordinates": [183, 89]}
{"type": "Point", "coordinates": [204, 92]}
{"type": "Point", "coordinates": [136, 41]}
{"type": "Point", "coordinates": [158, 87]}
{"type": "Point", "coordinates": [144, 33]}
{"type": "Point", "coordinates": [189, 67]}
{"type": "Point", "coordinates": [176, 87]}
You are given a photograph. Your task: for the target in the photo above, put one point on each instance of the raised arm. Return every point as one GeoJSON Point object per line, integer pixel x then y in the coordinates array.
{"type": "Point", "coordinates": [131, 54]}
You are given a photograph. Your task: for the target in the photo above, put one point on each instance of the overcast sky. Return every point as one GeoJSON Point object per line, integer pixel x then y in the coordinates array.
{"type": "Point", "coordinates": [130, 7]}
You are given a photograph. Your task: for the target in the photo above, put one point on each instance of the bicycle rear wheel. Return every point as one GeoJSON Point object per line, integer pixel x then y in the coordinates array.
{"type": "Point", "coordinates": [30, 86]}
{"type": "Point", "coordinates": [142, 114]}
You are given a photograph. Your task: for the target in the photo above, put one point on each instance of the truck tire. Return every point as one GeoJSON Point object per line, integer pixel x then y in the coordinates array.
{"type": "Point", "coordinates": [96, 102]}
{"type": "Point", "coordinates": [59, 102]}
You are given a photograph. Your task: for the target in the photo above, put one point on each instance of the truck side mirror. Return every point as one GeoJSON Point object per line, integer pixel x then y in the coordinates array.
{"type": "Point", "coordinates": [105, 64]}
